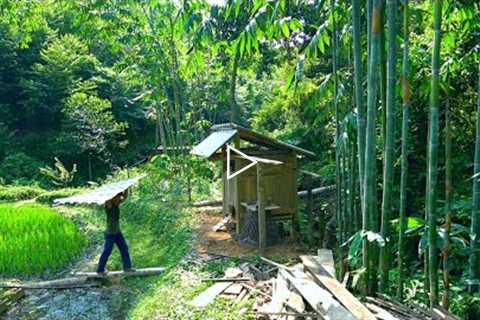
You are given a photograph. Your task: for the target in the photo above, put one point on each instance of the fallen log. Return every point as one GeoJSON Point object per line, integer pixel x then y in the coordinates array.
{"type": "Point", "coordinates": [112, 274]}
{"type": "Point", "coordinates": [304, 193]}
{"type": "Point", "coordinates": [67, 283]}
{"type": "Point", "coordinates": [207, 203]}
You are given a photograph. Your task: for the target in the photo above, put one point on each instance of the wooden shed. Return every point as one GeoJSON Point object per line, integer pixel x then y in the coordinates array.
{"type": "Point", "coordinates": [259, 176]}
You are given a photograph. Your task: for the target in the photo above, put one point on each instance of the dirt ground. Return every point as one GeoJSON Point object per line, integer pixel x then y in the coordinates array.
{"type": "Point", "coordinates": [222, 242]}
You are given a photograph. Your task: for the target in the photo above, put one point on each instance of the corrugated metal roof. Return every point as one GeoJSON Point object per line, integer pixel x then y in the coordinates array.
{"type": "Point", "coordinates": [213, 142]}
{"type": "Point", "coordinates": [101, 195]}
{"type": "Point", "coordinates": [260, 139]}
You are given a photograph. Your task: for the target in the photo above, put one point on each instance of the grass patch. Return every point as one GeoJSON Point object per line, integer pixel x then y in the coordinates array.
{"type": "Point", "coordinates": [36, 240]}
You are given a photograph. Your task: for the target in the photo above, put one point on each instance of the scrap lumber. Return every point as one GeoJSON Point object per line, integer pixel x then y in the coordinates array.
{"type": "Point", "coordinates": [400, 311]}
{"type": "Point", "coordinates": [323, 277]}
{"type": "Point", "coordinates": [324, 258]}
{"type": "Point", "coordinates": [276, 264]}
{"type": "Point", "coordinates": [380, 313]}
{"type": "Point", "coordinates": [209, 295]}
{"type": "Point", "coordinates": [112, 274]}
{"type": "Point", "coordinates": [233, 272]}
{"type": "Point", "coordinates": [320, 299]}
{"type": "Point", "coordinates": [234, 289]}
{"type": "Point", "coordinates": [290, 314]}
{"type": "Point", "coordinates": [440, 313]}
{"type": "Point", "coordinates": [280, 294]}
{"type": "Point", "coordinates": [242, 295]}
{"type": "Point", "coordinates": [296, 300]}
{"type": "Point", "coordinates": [226, 279]}
{"type": "Point", "coordinates": [66, 283]}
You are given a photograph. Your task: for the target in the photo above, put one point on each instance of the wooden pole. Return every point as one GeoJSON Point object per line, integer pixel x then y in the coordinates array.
{"type": "Point", "coordinates": [236, 181]}
{"type": "Point", "coordinates": [262, 221]}
{"type": "Point", "coordinates": [309, 209]}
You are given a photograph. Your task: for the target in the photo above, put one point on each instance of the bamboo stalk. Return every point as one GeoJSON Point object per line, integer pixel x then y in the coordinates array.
{"type": "Point", "coordinates": [448, 206]}
{"type": "Point", "coordinates": [432, 175]}
{"type": "Point", "coordinates": [389, 151]}
{"type": "Point", "coordinates": [358, 78]}
{"type": "Point", "coordinates": [370, 147]}
{"type": "Point", "coordinates": [406, 96]}
{"type": "Point", "coordinates": [475, 221]}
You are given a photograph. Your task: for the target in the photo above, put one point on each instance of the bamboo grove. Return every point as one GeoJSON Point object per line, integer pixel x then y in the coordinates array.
{"type": "Point", "coordinates": [373, 214]}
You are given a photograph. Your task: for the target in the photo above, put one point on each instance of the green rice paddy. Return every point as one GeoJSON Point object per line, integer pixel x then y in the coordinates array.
{"type": "Point", "coordinates": [35, 239]}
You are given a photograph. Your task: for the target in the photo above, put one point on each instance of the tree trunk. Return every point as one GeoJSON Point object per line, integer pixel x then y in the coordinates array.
{"type": "Point", "coordinates": [389, 157]}
{"type": "Point", "coordinates": [161, 131]}
{"type": "Point", "coordinates": [234, 112]}
{"type": "Point", "coordinates": [432, 156]}
{"type": "Point", "coordinates": [90, 171]}
{"type": "Point", "coordinates": [406, 96]}
{"type": "Point", "coordinates": [370, 147]}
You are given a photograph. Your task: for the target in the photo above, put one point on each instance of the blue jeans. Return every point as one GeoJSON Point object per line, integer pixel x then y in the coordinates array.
{"type": "Point", "coordinates": [110, 241]}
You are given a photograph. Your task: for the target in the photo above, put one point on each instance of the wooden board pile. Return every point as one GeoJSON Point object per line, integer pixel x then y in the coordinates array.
{"type": "Point", "coordinates": [307, 290]}
{"type": "Point", "coordinates": [8, 298]}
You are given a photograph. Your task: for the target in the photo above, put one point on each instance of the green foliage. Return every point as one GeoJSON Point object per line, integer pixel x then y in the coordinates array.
{"type": "Point", "coordinates": [19, 167]}
{"type": "Point", "coordinates": [59, 175]}
{"type": "Point", "coordinates": [90, 125]}
{"type": "Point", "coordinates": [36, 240]}
{"type": "Point", "coordinates": [19, 193]}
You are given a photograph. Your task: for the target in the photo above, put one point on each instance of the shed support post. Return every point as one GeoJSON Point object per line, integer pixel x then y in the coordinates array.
{"type": "Point", "coordinates": [262, 219]}
{"type": "Point", "coordinates": [236, 200]}
{"type": "Point", "coordinates": [296, 214]}
{"type": "Point", "coordinates": [225, 181]}
{"type": "Point", "coordinates": [309, 209]}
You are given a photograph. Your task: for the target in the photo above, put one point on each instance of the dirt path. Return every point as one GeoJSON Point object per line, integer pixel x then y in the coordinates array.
{"type": "Point", "coordinates": [222, 243]}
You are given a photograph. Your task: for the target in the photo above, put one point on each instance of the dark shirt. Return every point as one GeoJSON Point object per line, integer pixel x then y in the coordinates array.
{"type": "Point", "coordinates": [113, 217]}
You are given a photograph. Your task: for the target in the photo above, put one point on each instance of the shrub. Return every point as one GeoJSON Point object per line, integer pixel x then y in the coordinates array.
{"type": "Point", "coordinates": [19, 193]}
{"type": "Point", "coordinates": [35, 240]}
{"type": "Point", "coordinates": [19, 166]}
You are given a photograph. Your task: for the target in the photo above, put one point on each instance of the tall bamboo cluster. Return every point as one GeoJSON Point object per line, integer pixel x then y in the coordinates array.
{"type": "Point", "coordinates": [377, 238]}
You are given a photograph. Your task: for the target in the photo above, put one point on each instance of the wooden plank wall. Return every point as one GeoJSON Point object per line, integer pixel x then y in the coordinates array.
{"type": "Point", "coordinates": [280, 184]}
